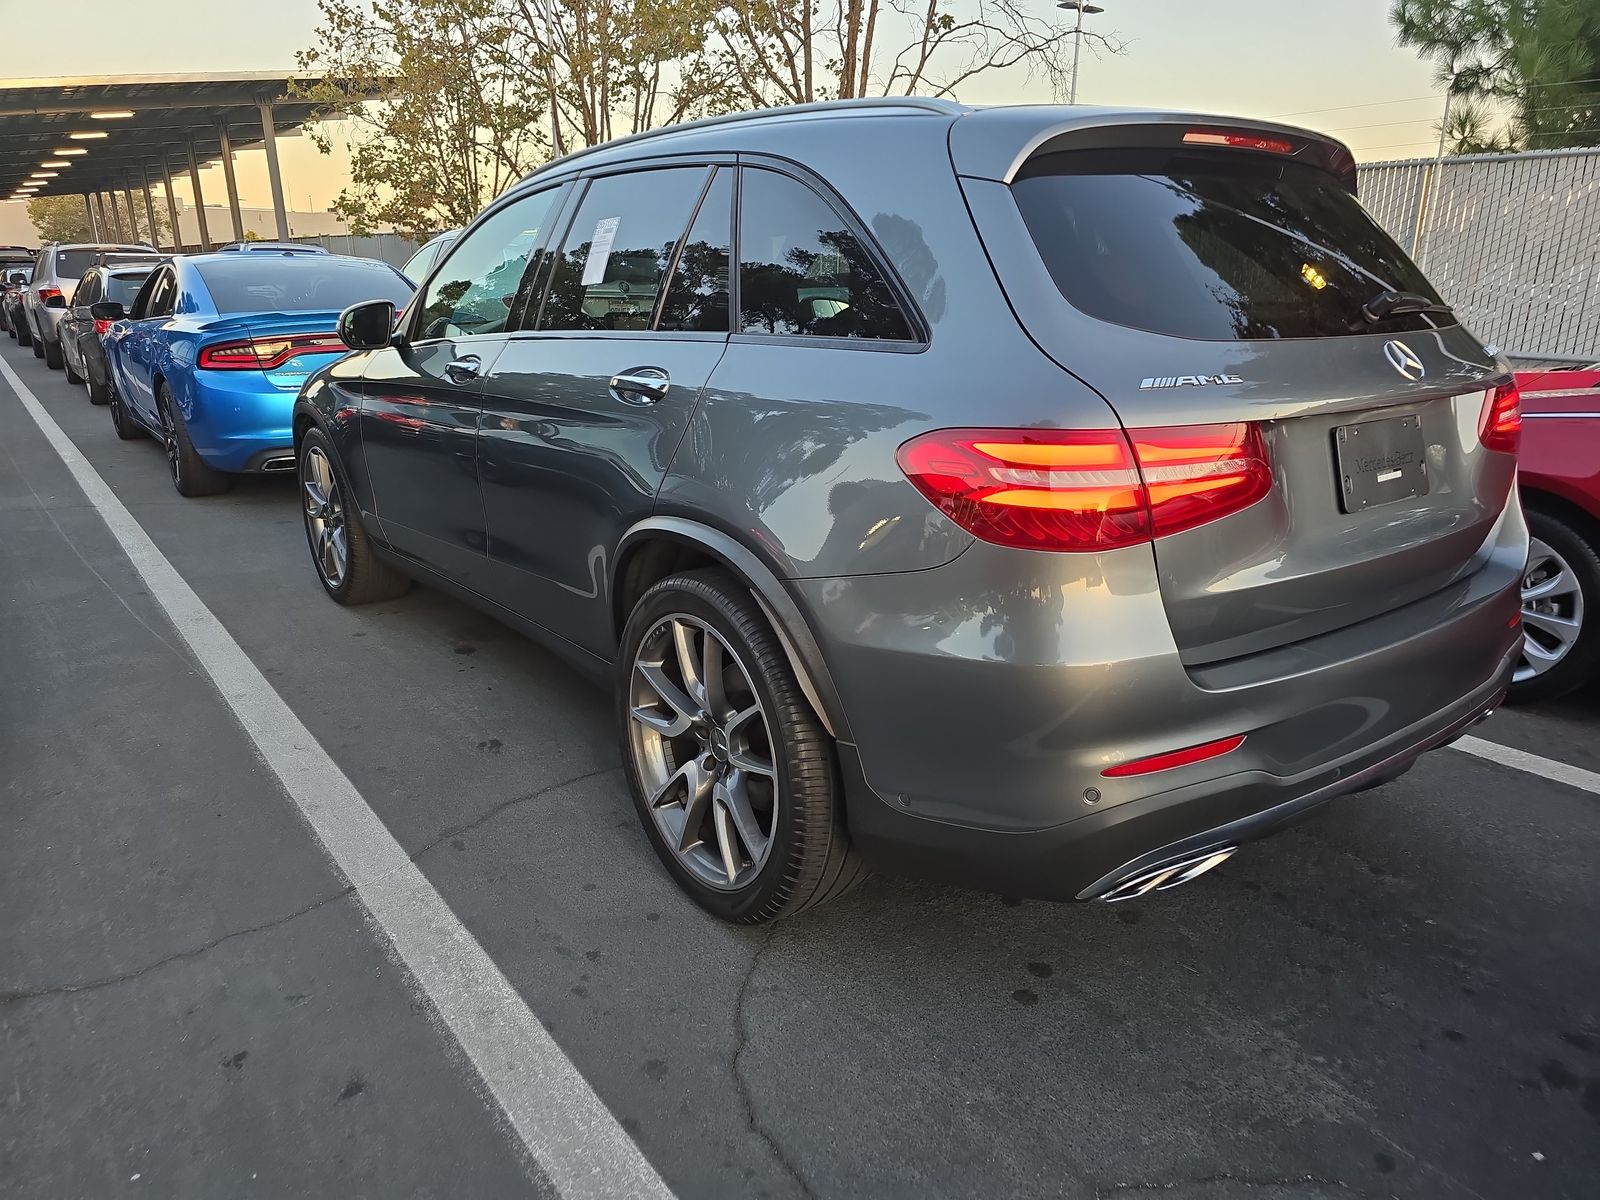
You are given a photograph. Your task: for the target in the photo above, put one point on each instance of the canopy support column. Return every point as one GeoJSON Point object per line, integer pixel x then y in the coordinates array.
{"type": "Point", "coordinates": [199, 199]}
{"type": "Point", "coordinates": [227, 175]}
{"type": "Point", "coordinates": [172, 205]}
{"type": "Point", "coordinates": [274, 173]}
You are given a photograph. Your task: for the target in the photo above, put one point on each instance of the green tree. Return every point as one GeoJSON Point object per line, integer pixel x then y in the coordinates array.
{"type": "Point", "coordinates": [60, 219]}
{"type": "Point", "coordinates": [1538, 59]}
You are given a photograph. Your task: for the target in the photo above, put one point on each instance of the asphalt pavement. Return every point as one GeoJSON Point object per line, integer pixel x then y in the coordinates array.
{"type": "Point", "coordinates": [1398, 998]}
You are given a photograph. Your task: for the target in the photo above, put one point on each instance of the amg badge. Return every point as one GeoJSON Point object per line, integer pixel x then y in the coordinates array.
{"type": "Point", "coordinates": [1166, 381]}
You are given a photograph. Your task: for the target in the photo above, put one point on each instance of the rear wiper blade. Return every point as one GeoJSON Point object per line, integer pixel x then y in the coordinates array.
{"type": "Point", "coordinates": [1392, 304]}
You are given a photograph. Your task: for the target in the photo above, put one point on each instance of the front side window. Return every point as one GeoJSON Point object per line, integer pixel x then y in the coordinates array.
{"type": "Point", "coordinates": [156, 300]}
{"type": "Point", "coordinates": [483, 281]}
{"type": "Point", "coordinates": [609, 271]}
{"type": "Point", "coordinates": [802, 272]}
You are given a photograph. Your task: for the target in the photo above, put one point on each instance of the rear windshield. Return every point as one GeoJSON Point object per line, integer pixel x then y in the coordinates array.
{"type": "Point", "coordinates": [1220, 247]}
{"type": "Point", "coordinates": [124, 286]}
{"type": "Point", "coordinates": [71, 264]}
{"type": "Point", "coordinates": [299, 282]}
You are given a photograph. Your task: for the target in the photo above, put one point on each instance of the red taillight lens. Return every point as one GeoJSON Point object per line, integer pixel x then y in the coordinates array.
{"type": "Point", "coordinates": [1502, 420]}
{"type": "Point", "coordinates": [102, 326]}
{"type": "Point", "coordinates": [1175, 758]}
{"type": "Point", "coordinates": [265, 353]}
{"type": "Point", "coordinates": [1238, 141]}
{"type": "Point", "coordinates": [48, 293]}
{"type": "Point", "coordinates": [1087, 489]}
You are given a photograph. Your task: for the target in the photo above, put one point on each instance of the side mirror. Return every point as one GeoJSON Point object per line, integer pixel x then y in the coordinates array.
{"type": "Point", "coordinates": [56, 301]}
{"type": "Point", "coordinates": [367, 326]}
{"type": "Point", "coordinates": [107, 310]}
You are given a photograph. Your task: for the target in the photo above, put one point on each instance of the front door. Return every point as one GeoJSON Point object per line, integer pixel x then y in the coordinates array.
{"type": "Point", "coordinates": [421, 399]}
{"type": "Point", "coordinates": [135, 344]}
{"type": "Point", "coordinates": [583, 412]}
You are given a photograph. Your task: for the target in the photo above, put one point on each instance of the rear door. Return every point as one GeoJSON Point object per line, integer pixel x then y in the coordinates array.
{"type": "Point", "coordinates": [584, 409]}
{"type": "Point", "coordinates": [421, 400]}
{"type": "Point", "coordinates": [135, 343]}
{"type": "Point", "coordinates": [1198, 284]}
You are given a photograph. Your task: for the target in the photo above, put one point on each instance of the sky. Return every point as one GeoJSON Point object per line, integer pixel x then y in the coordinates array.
{"type": "Point", "coordinates": [1333, 66]}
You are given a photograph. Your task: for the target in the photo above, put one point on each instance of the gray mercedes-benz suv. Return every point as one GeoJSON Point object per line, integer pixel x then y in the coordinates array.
{"type": "Point", "coordinates": [1047, 499]}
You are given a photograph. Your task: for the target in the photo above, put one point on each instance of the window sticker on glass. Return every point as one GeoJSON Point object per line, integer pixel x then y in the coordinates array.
{"type": "Point", "coordinates": [605, 233]}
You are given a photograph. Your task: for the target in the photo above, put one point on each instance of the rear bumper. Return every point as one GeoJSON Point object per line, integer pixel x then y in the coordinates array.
{"type": "Point", "coordinates": [239, 421]}
{"type": "Point", "coordinates": [983, 715]}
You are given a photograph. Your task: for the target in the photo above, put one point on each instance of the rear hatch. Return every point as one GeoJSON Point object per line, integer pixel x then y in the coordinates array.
{"type": "Point", "coordinates": [1206, 273]}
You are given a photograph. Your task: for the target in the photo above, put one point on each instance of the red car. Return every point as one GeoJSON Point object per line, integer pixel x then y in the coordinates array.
{"type": "Point", "coordinates": [1559, 474]}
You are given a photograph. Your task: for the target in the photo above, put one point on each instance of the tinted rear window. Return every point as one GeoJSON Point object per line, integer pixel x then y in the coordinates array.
{"type": "Point", "coordinates": [1220, 247]}
{"type": "Point", "coordinates": [123, 286]}
{"type": "Point", "coordinates": [299, 283]}
{"type": "Point", "coordinates": [71, 264]}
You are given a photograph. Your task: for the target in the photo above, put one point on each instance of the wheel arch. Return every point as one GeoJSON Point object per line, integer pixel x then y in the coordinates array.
{"type": "Point", "coordinates": [659, 546]}
{"type": "Point", "coordinates": [1556, 504]}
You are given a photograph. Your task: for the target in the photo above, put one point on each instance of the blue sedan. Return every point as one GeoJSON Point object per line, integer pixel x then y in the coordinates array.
{"type": "Point", "coordinates": [213, 351]}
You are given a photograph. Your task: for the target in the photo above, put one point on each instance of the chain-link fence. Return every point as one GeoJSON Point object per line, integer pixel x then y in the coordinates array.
{"type": "Point", "coordinates": [1512, 241]}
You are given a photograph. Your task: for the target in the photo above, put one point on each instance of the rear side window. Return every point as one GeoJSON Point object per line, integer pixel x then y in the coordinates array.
{"type": "Point", "coordinates": [697, 297]}
{"type": "Point", "coordinates": [802, 272]}
{"type": "Point", "coordinates": [610, 270]}
{"type": "Point", "coordinates": [71, 264]}
{"type": "Point", "coordinates": [1214, 246]}
{"type": "Point", "coordinates": [88, 290]}
{"type": "Point", "coordinates": [123, 286]}
{"type": "Point", "coordinates": [254, 282]}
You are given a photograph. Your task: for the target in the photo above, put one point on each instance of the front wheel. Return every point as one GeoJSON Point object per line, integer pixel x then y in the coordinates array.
{"type": "Point", "coordinates": [1560, 611]}
{"type": "Point", "coordinates": [347, 565]}
{"type": "Point", "coordinates": [732, 774]}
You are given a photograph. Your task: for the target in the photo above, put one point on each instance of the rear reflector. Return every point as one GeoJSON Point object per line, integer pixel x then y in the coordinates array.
{"type": "Point", "coordinates": [1087, 489]}
{"type": "Point", "coordinates": [1175, 758]}
{"type": "Point", "coordinates": [1501, 427]}
{"type": "Point", "coordinates": [1238, 141]}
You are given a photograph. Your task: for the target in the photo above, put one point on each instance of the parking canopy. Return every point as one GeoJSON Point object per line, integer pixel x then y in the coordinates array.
{"type": "Point", "coordinates": [98, 136]}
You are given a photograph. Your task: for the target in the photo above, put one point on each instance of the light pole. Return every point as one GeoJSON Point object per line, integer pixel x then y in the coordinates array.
{"type": "Point", "coordinates": [1077, 39]}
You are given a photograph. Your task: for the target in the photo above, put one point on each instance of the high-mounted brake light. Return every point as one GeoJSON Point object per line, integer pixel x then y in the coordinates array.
{"type": "Point", "coordinates": [1501, 427]}
{"type": "Point", "coordinates": [1238, 141]}
{"type": "Point", "coordinates": [1175, 758]}
{"type": "Point", "coordinates": [1087, 489]}
{"type": "Point", "coordinates": [266, 353]}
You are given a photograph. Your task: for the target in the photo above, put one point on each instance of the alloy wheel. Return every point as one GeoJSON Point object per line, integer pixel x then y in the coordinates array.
{"type": "Point", "coordinates": [703, 751]}
{"type": "Point", "coordinates": [169, 438]}
{"type": "Point", "coordinates": [324, 508]}
{"type": "Point", "coordinates": [1552, 611]}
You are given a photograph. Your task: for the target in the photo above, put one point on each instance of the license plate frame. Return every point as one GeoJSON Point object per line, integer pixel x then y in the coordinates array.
{"type": "Point", "coordinates": [1380, 462]}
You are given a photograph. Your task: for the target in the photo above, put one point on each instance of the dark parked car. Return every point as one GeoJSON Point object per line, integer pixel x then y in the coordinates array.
{"type": "Point", "coordinates": [1050, 499]}
{"type": "Point", "coordinates": [1559, 478]}
{"type": "Point", "coordinates": [82, 353]}
{"type": "Point", "coordinates": [13, 279]}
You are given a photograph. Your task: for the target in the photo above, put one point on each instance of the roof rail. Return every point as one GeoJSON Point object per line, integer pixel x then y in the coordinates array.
{"type": "Point", "coordinates": [886, 104]}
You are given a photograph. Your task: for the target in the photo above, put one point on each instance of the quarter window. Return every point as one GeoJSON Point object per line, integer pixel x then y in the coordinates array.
{"type": "Point", "coordinates": [802, 272]}
{"type": "Point", "coordinates": [609, 271]}
{"type": "Point", "coordinates": [158, 301]}
{"type": "Point", "coordinates": [486, 277]}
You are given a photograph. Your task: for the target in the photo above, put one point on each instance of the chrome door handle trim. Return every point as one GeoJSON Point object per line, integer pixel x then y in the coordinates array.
{"type": "Point", "coordinates": [464, 369]}
{"type": "Point", "coordinates": [649, 389]}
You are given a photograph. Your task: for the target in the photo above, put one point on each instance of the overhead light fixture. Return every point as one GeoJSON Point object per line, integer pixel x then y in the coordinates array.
{"type": "Point", "coordinates": [55, 162]}
{"type": "Point", "coordinates": [119, 115]}
{"type": "Point", "coordinates": [84, 136]}
{"type": "Point", "coordinates": [69, 150]}
{"type": "Point", "coordinates": [45, 175]}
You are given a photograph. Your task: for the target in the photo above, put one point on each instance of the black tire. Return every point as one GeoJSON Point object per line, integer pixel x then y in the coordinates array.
{"type": "Point", "coordinates": [367, 578]}
{"type": "Point", "coordinates": [122, 421]}
{"type": "Point", "coordinates": [38, 346]}
{"type": "Point", "coordinates": [99, 391]}
{"type": "Point", "coordinates": [52, 355]}
{"type": "Point", "coordinates": [1580, 548]}
{"type": "Point", "coordinates": [23, 335]}
{"type": "Point", "coordinates": [811, 860]}
{"type": "Point", "coordinates": [72, 374]}
{"type": "Point", "coordinates": [191, 474]}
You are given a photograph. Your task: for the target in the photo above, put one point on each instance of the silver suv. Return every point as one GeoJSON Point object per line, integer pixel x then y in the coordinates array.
{"type": "Point", "coordinates": [1047, 499]}
{"type": "Point", "coordinates": [55, 279]}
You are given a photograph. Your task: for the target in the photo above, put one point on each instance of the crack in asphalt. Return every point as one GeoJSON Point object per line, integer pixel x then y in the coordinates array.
{"type": "Point", "coordinates": [496, 810]}
{"type": "Point", "coordinates": [65, 989]}
{"type": "Point", "coordinates": [741, 1038]}
{"type": "Point", "coordinates": [1246, 1181]}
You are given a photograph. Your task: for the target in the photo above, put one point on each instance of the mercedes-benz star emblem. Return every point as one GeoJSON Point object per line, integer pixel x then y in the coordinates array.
{"type": "Point", "coordinates": [1403, 359]}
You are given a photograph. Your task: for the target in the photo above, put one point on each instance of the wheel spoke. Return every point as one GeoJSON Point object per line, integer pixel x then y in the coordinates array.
{"type": "Point", "coordinates": [712, 691]}
{"type": "Point", "coordinates": [734, 795]}
{"type": "Point", "coordinates": [1563, 629]}
{"type": "Point", "coordinates": [739, 718]}
{"type": "Point", "coordinates": [688, 664]}
{"type": "Point", "coordinates": [1540, 658]}
{"type": "Point", "coordinates": [724, 824]}
{"type": "Point", "coordinates": [671, 695]}
{"type": "Point", "coordinates": [315, 499]}
{"type": "Point", "coordinates": [1562, 583]}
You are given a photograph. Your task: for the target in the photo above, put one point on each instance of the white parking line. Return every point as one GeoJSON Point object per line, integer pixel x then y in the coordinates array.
{"type": "Point", "coordinates": [576, 1143]}
{"type": "Point", "coordinates": [1534, 764]}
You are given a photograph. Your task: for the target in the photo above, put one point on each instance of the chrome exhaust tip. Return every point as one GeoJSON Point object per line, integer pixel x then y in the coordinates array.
{"type": "Point", "coordinates": [1165, 878]}
{"type": "Point", "coordinates": [285, 463]}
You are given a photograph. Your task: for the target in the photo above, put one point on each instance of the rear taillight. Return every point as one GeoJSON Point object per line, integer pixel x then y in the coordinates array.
{"type": "Point", "coordinates": [1502, 419]}
{"type": "Point", "coordinates": [1238, 141]}
{"type": "Point", "coordinates": [48, 293]}
{"type": "Point", "coordinates": [101, 326]}
{"type": "Point", "coordinates": [265, 353]}
{"type": "Point", "coordinates": [1087, 489]}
